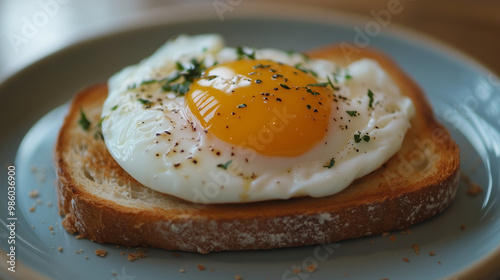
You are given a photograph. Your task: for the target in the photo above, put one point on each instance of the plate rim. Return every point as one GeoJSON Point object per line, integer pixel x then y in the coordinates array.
{"type": "Point", "coordinates": [183, 12]}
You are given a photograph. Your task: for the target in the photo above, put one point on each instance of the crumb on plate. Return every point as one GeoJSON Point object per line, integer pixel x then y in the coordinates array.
{"type": "Point", "coordinates": [416, 248]}
{"type": "Point", "coordinates": [100, 252]}
{"type": "Point", "coordinates": [34, 193]}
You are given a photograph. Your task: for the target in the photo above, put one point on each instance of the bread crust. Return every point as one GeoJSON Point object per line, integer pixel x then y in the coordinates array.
{"type": "Point", "coordinates": [416, 184]}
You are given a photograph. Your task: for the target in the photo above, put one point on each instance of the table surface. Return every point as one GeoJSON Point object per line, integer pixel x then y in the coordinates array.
{"type": "Point", "coordinates": [470, 26]}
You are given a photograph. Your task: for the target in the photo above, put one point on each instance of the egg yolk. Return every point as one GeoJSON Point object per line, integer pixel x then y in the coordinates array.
{"type": "Point", "coordinates": [270, 107]}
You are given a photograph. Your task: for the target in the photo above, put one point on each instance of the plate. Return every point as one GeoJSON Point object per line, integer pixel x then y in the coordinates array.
{"type": "Point", "coordinates": [461, 243]}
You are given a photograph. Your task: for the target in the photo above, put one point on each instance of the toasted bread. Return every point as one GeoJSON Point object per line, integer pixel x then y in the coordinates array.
{"type": "Point", "coordinates": [101, 202]}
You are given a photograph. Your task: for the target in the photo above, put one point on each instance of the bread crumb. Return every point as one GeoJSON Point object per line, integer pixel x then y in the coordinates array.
{"type": "Point", "coordinates": [100, 252]}
{"type": "Point", "coordinates": [431, 253]}
{"type": "Point", "coordinates": [385, 234]}
{"type": "Point", "coordinates": [311, 268]}
{"type": "Point", "coordinates": [39, 201]}
{"type": "Point", "coordinates": [439, 262]}
{"type": "Point", "coordinates": [408, 231]}
{"type": "Point", "coordinates": [79, 236]}
{"type": "Point", "coordinates": [51, 228]}
{"type": "Point", "coordinates": [473, 188]}
{"type": "Point", "coordinates": [182, 270]}
{"type": "Point", "coordinates": [393, 238]}
{"type": "Point", "coordinates": [33, 193]}
{"type": "Point", "coordinates": [140, 254]}
{"type": "Point", "coordinates": [406, 259]}
{"type": "Point", "coordinates": [78, 252]}
{"type": "Point", "coordinates": [296, 271]}
{"type": "Point", "coordinates": [237, 277]}
{"type": "Point", "coordinates": [33, 208]}
{"type": "Point", "coordinates": [201, 267]}
{"type": "Point", "coordinates": [416, 248]}
{"type": "Point", "coordinates": [132, 257]}
{"type": "Point", "coordinates": [462, 227]}
{"type": "Point", "coordinates": [86, 257]}
{"type": "Point", "coordinates": [122, 253]}
{"type": "Point", "coordinates": [49, 204]}
{"type": "Point", "coordinates": [60, 249]}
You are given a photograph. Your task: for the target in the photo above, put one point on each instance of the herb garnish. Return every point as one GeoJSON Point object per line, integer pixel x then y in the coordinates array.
{"type": "Point", "coordinates": [242, 105]}
{"type": "Point", "coordinates": [331, 84]}
{"type": "Point", "coordinates": [84, 122]}
{"type": "Point", "coordinates": [261, 66]}
{"type": "Point", "coordinates": [358, 137]}
{"type": "Point", "coordinates": [144, 101]}
{"type": "Point", "coordinates": [114, 108]}
{"type": "Point", "coordinates": [318, 85]}
{"type": "Point", "coordinates": [331, 164]}
{"type": "Point", "coordinates": [305, 70]}
{"type": "Point", "coordinates": [312, 91]}
{"type": "Point", "coordinates": [370, 95]}
{"type": "Point", "coordinates": [241, 53]}
{"type": "Point", "coordinates": [225, 165]}
{"type": "Point", "coordinates": [192, 72]}
{"type": "Point", "coordinates": [284, 86]}
{"type": "Point", "coordinates": [352, 113]}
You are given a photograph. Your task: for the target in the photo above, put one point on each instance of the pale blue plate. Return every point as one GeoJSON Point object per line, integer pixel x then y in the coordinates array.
{"type": "Point", "coordinates": [465, 97]}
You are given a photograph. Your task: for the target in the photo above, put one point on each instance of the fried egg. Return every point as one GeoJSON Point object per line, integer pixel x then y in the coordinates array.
{"type": "Point", "coordinates": [209, 123]}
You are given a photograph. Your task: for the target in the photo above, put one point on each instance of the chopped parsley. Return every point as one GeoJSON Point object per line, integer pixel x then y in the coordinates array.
{"type": "Point", "coordinates": [192, 72]}
{"type": "Point", "coordinates": [284, 86]}
{"type": "Point", "coordinates": [331, 84]}
{"type": "Point", "coordinates": [144, 101]}
{"type": "Point", "coordinates": [331, 164]}
{"type": "Point", "coordinates": [225, 165]}
{"type": "Point", "coordinates": [261, 66]}
{"type": "Point", "coordinates": [84, 122]}
{"type": "Point", "coordinates": [241, 53]}
{"type": "Point", "coordinates": [358, 137]}
{"type": "Point", "coordinates": [308, 106]}
{"type": "Point", "coordinates": [147, 82]}
{"type": "Point", "coordinates": [318, 85]}
{"type": "Point", "coordinates": [352, 113]}
{"type": "Point", "coordinates": [114, 108]}
{"type": "Point", "coordinates": [312, 91]}
{"type": "Point", "coordinates": [242, 105]}
{"type": "Point", "coordinates": [370, 95]}
{"type": "Point", "coordinates": [305, 70]}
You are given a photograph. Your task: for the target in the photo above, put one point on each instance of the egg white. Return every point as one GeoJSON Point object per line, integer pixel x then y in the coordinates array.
{"type": "Point", "coordinates": [157, 144]}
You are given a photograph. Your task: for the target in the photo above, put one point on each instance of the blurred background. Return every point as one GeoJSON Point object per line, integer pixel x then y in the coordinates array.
{"type": "Point", "coordinates": [32, 29]}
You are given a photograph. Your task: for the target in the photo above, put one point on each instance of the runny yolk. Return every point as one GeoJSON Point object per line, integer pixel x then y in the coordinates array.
{"type": "Point", "coordinates": [270, 107]}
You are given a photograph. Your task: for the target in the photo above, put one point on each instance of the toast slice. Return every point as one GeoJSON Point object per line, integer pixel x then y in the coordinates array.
{"type": "Point", "coordinates": [101, 202]}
